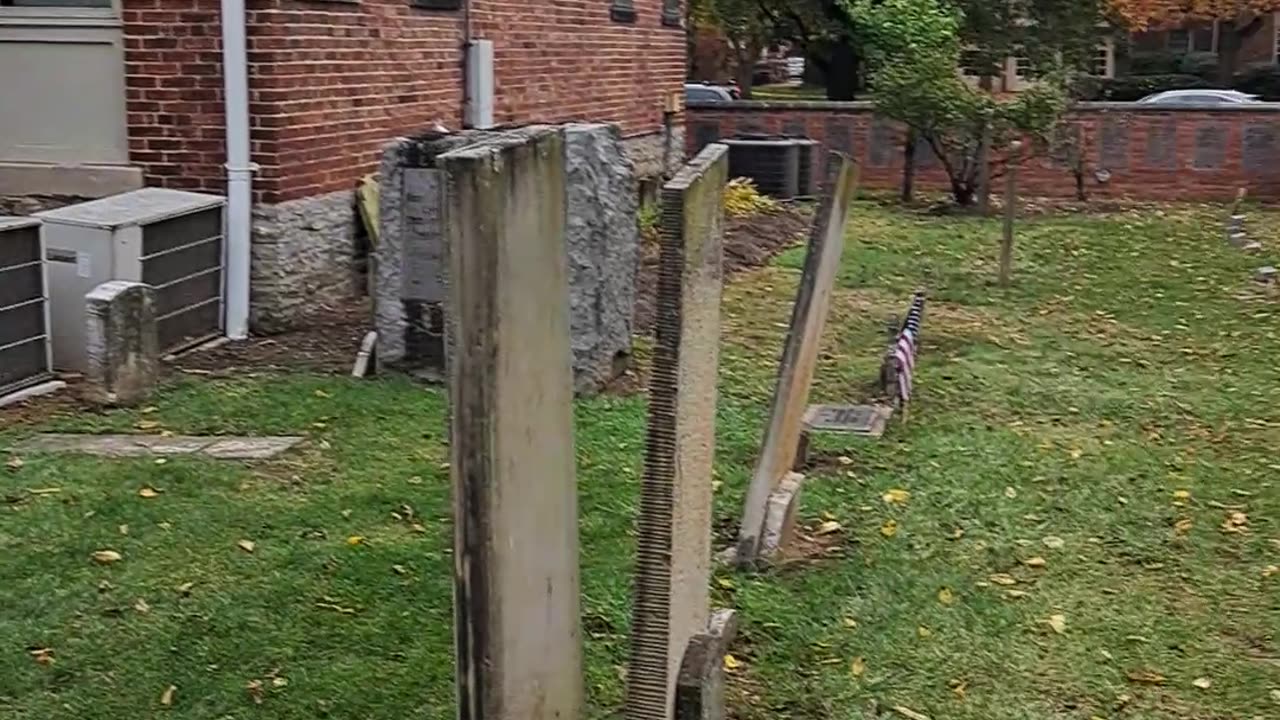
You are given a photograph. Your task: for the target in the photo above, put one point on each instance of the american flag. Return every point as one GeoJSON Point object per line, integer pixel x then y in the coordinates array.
{"type": "Point", "coordinates": [905, 348]}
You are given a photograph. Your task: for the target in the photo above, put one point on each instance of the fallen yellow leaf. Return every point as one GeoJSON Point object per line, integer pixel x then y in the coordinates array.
{"type": "Point", "coordinates": [185, 588]}
{"type": "Point", "coordinates": [141, 606]}
{"type": "Point", "coordinates": [923, 632]}
{"type": "Point", "coordinates": [42, 656]}
{"type": "Point", "coordinates": [1146, 677]}
{"type": "Point", "coordinates": [1015, 594]}
{"type": "Point", "coordinates": [829, 527]}
{"type": "Point", "coordinates": [857, 667]}
{"type": "Point", "coordinates": [147, 425]}
{"type": "Point", "coordinates": [15, 463]}
{"type": "Point", "coordinates": [731, 663]}
{"type": "Point", "coordinates": [355, 540]}
{"type": "Point", "coordinates": [1183, 525]}
{"type": "Point", "coordinates": [1053, 542]}
{"type": "Point", "coordinates": [166, 697]}
{"type": "Point", "coordinates": [1010, 493]}
{"type": "Point", "coordinates": [909, 714]}
{"type": "Point", "coordinates": [1003, 579]}
{"type": "Point", "coordinates": [1270, 570]}
{"type": "Point", "coordinates": [1181, 494]}
{"type": "Point", "coordinates": [945, 596]}
{"type": "Point", "coordinates": [1035, 562]}
{"type": "Point", "coordinates": [399, 569]}
{"type": "Point", "coordinates": [726, 583]}
{"type": "Point", "coordinates": [1203, 683]}
{"type": "Point", "coordinates": [279, 682]}
{"type": "Point", "coordinates": [850, 622]}
{"type": "Point", "coordinates": [896, 496]}
{"type": "Point", "coordinates": [1236, 522]}
{"type": "Point", "coordinates": [889, 528]}
{"type": "Point", "coordinates": [106, 557]}
{"type": "Point", "coordinates": [124, 529]}
{"type": "Point", "coordinates": [148, 492]}
{"type": "Point", "coordinates": [246, 545]}
{"type": "Point", "coordinates": [1058, 623]}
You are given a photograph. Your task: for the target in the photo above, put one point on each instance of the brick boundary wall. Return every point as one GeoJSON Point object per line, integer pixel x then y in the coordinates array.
{"type": "Point", "coordinates": [1147, 153]}
{"type": "Point", "coordinates": [333, 81]}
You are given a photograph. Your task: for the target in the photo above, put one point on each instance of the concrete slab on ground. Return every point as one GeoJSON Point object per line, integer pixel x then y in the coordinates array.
{"type": "Point", "coordinates": [219, 447]}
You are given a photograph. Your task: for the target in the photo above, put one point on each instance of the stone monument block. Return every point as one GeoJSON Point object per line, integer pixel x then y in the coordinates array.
{"type": "Point", "coordinates": [411, 291]}
{"type": "Point", "coordinates": [122, 343]}
{"type": "Point", "coordinates": [1162, 145]}
{"type": "Point", "coordinates": [603, 240]}
{"type": "Point", "coordinates": [516, 586]}
{"type": "Point", "coordinates": [840, 135]}
{"type": "Point", "coordinates": [799, 359]}
{"type": "Point", "coordinates": [883, 144]}
{"type": "Point", "coordinates": [1113, 145]}
{"type": "Point", "coordinates": [1211, 147]}
{"type": "Point", "coordinates": [1259, 152]}
{"type": "Point", "coordinates": [673, 557]}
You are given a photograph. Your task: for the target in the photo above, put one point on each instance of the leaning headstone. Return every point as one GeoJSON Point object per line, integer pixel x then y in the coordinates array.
{"type": "Point", "coordinates": [700, 684]}
{"type": "Point", "coordinates": [122, 344]}
{"type": "Point", "coordinates": [1237, 236]}
{"type": "Point", "coordinates": [603, 240]}
{"type": "Point", "coordinates": [795, 373]}
{"type": "Point", "coordinates": [518, 644]}
{"type": "Point", "coordinates": [673, 557]}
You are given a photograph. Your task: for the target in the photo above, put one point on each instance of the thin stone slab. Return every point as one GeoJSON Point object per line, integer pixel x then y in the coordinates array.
{"type": "Point", "coordinates": [219, 447]}
{"type": "Point", "coordinates": [518, 645]}
{"type": "Point", "coordinates": [799, 355]}
{"type": "Point", "coordinates": [673, 557]}
{"type": "Point", "coordinates": [122, 343]}
{"type": "Point", "coordinates": [868, 420]}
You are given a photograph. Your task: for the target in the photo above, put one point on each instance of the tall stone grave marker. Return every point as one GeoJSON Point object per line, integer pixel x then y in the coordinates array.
{"type": "Point", "coordinates": [121, 342]}
{"type": "Point", "coordinates": [673, 560]}
{"type": "Point", "coordinates": [773, 493]}
{"type": "Point", "coordinates": [516, 583]}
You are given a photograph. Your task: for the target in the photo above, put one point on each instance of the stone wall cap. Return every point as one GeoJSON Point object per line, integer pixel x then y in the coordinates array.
{"type": "Point", "coordinates": [697, 167]}
{"type": "Point", "coordinates": [16, 222]}
{"type": "Point", "coordinates": [137, 207]}
{"type": "Point", "coordinates": [865, 106]}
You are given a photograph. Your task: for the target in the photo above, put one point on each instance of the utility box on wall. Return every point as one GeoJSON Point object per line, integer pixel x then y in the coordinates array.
{"type": "Point", "coordinates": [24, 310]}
{"type": "Point", "coordinates": [169, 239]}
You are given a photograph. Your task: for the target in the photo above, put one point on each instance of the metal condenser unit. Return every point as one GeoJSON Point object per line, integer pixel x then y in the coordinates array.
{"type": "Point", "coordinates": [24, 308]}
{"type": "Point", "coordinates": [169, 239]}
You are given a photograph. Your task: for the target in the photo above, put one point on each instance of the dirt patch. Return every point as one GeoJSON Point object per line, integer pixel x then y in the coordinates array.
{"type": "Point", "coordinates": [749, 242]}
{"type": "Point", "coordinates": [326, 340]}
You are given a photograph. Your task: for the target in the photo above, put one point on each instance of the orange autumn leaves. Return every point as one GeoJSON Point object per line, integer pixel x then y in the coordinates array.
{"type": "Point", "coordinates": [1142, 14]}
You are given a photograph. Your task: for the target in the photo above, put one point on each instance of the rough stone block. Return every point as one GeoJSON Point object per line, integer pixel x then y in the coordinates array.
{"type": "Point", "coordinates": [603, 240]}
{"type": "Point", "coordinates": [799, 354]}
{"type": "Point", "coordinates": [780, 517]}
{"type": "Point", "coordinates": [122, 344]}
{"type": "Point", "coordinates": [516, 586]}
{"type": "Point", "coordinates": [673, 558]}
{"type": "Point", "coordinates": [883, 144]}
{"type": "Point", "coordinates": [1162, 145]}
{"type": "Point", "coordinates": [1113, 145]}
{"type": "Point", "coordinates": [1259, 152]}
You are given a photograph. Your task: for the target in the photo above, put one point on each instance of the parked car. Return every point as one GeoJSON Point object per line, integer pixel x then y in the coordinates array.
{"type": "Point", "coordinates": [708, 93]}
{"type": "Point", "coordinates": [1199, 97]}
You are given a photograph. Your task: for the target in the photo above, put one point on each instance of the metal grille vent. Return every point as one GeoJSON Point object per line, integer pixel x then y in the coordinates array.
{"type": "Point", "coordinates": [24, 341]}
{"type": "Point", "coordinates": [182, 260]}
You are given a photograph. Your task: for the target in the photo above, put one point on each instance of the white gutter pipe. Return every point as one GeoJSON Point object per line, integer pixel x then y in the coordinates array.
{"type": "Point", "coordinates": [239, 230]}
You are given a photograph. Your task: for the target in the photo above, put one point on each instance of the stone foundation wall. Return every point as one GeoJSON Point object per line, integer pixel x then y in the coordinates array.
{"type": "Point", "coordinates": [303, 252]}
{"type": "Point", "coordinates": [652, 155]}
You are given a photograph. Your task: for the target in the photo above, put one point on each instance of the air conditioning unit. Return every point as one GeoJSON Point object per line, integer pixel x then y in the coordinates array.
{"type": "Point", "coordinates": [781, 167]}
{"type": "Point", "coordinates": [24, 310]}
{"type": "Point", "coordinates": [169, 239]}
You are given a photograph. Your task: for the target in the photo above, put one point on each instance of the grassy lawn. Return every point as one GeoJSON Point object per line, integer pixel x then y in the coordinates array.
{"type": "Point", "coordinates": [1092, 511]}
{"type": "Point", "coordinates": [789, 92]}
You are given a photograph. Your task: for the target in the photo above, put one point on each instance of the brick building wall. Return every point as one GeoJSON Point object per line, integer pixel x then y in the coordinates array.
{"type": "Point", "coordinates": [1146, 153]}
{"type": "Point", "coordinates": [331, 82]}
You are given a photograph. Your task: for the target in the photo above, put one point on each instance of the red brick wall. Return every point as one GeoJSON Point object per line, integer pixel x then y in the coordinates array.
{"type": "Point", "coordinates": [331, 82]}
{"type": "Point", "coordinates": [1150, 154]}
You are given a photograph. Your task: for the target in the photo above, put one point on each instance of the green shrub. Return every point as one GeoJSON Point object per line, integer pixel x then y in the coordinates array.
{"type": "Point", "coordinates": [1155, 62]}
{"type": "Point", "coordinates": [1261, 80]}
{"type": "Point", "coordinates": [1136, 87]}
{"type": "Point", "coordinates": [1200, 64]}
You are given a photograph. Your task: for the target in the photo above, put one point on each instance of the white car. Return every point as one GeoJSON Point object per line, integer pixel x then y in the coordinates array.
{"type": "Point", "coordinates": [1199, 97]}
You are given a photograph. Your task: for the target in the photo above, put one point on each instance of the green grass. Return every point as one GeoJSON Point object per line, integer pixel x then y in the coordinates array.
{"type": "Point", "coordinates": [789, 92]}
{"type": "Point", "coordinates": [1133, 358]}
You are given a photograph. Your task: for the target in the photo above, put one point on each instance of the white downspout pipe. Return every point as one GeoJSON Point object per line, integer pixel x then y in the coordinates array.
{"type": "Point", "coordinates": [239, 230]}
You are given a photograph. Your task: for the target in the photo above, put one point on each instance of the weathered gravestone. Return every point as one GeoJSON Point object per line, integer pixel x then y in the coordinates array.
{"type": "Point", "coordinates": [760, 515]}
{"type": "Point", "coordinates": [518, 644]}
{"type": "Point", "coordinates": [602, 241]}
{"type": "Point", "coordinates": [673, 558]}
{"type": "Point", "coordinates": [121, 342]}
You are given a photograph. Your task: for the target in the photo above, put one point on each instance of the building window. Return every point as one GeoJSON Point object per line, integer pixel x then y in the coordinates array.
{"type": "Point", "coordinates": [1178, 40]}
{"type": "Point", "coordinates": [437, 4]}
{"type": "Point", "coordinates": [1104, 60]}
{"type": "Point", "coordinates": [623, 10]}
{"type": "Point", "coordinates": [671, 13]}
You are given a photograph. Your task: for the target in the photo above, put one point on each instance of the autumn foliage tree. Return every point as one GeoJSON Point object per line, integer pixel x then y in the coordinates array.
{"type": "Point", "coordinates": [1238, 20]}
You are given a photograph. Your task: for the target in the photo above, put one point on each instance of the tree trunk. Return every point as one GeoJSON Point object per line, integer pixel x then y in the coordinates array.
{"type": "Point", "coordinates": [962, 192]}
{"type": "Point", "coordinates": [909, 167]}
{"type": "Point", "coordinates": [842, 76]}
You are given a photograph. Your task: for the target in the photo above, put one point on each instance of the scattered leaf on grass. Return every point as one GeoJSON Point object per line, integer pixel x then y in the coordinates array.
{"type": "Point", "coordinates": [1058, 623]}
{"type": "Point", "coordinates": [1035, 562]}
{"type": "Point", "coordinates": [850, 623]}
{"type": "Point", "coordinates": [1003, 579]}
{"type": "Point", "coordinates": [329, 605]}
{"type": "Point", "coordinates": [896, 496]}
{"type": "Point", "coordinates": [419, 528]}
{"type": "Point", "coordinates": [15, 463]}
{"type": "Point", "coordinates": [1053, 542]}
{"type": "Point", "coordinates": [1181, 494]}
{"type": "Point", "coordinates": [1236, 522]}
{"type": "Point", "coordinates": [124, 529]}
{"type": "Point", "coordinates": [828, 527]}
{"type": "Point", "coordinates": [909, 714]}
{"type": "Point", "coordinates": [726, 583]}
{"type": "Point", "coordinates": [1203, 683]}
{"type": "Point", "coordinates": [1015, 594]}
{"type": "Point", "coordinates": [148, 492]}
{"type": "Point", "coordinates": [355, 540]}
{"type": "Point", "coordinates": [45, 491]}
{"type": "Point", "coordinates": [1145, 677]}
{"type": "Point", "coordinates": [946, 597]}
{"type": "Point", "coordinates": [279, 682]}
{"type": "Point", "coordinates": [1010, 493]}
{"type": "Point", "coordinates": [399, 569]}
{"type": "Point", "coordinates": [1270, 570]}
{"type": "Point", "coordinates": [923, 632]}
{"type": "Point", "coordinates": [141, 606]}
{"type": "Point", "coordinates": [106, 557]}
{"type": "Point", "coordinates": [246, 545]}
{"type": "Point", "coordinates": [889, 528]}
{"type": "Point", "coordinates": [1183, 525]}
{"type": "Point", "coordinates": [166, 697]}
{"type": "Point", "coordinates": [185, 588]}
{"type": "Point", "coordinates": [731, 663]}
{"type": "Point", "coordinates": [255, 691]}
{"type": "Point", "coordinates": [147, 425]}
{"type": "Point", "coordinates": [1275, 696]}
{"type": "Point", "coordinates": [42, 656]}
{"type": "Point", "coordinates": [857, 667]}
{"type": "Point", "coordinates": [844, 460]}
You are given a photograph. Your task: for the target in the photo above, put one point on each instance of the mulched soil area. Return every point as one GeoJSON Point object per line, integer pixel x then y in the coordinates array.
{"type": "Point", "coordinates": [749, 242]}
